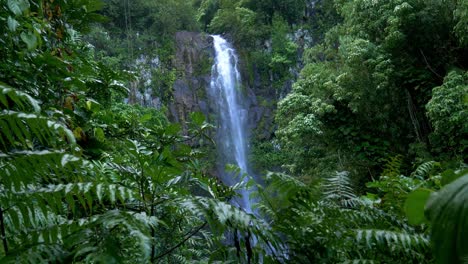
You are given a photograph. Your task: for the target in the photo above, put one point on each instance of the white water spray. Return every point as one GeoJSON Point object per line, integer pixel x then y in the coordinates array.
{"type": "Point", "coordinates": [231, 135]}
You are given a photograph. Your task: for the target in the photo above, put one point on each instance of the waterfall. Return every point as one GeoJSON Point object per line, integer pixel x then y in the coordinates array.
{"type": "Point", "coordinates": [225, 91]}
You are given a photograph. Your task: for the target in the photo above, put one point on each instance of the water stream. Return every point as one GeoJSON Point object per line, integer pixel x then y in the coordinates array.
{"type": "Point", "coordinates": [225, 91]}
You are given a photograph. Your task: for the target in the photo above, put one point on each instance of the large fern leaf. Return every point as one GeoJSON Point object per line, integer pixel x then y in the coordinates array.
{"type": "Point", "coordinates": [338, 189]}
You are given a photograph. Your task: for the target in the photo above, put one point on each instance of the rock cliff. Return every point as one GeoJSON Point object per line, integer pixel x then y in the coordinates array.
{"type": "Point", "coordinates": [193, 61]}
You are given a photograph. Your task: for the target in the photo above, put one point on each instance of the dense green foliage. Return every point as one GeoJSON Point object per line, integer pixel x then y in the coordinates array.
{"type": "Point", "coordinates": [372, 84]}
{"type": "Point", "coordinates": [339, 226]}
{"type": "Point", "coordinates": [368, 148]}
{"type": "Point", "coordinates": [85, 179]}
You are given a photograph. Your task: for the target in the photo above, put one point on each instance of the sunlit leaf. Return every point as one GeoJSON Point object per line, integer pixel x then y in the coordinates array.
{"type": "Point", "coordinates": [18, 6]}
{"type": "Point", "coordinates": [30, 39]}
{"type": "Point", "coordinates": [197, 118]}
{"type": "Point", "coordinates": [12, 24]}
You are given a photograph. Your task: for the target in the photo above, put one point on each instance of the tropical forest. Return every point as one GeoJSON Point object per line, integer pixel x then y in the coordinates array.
{"type": "Point", "coordinates": [234, 131]}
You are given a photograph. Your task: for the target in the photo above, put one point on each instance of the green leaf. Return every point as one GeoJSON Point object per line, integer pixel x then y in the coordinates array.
{"type": "Point", "coordinates": [197, 118]}
{"type": "Point", "coordinates": [414, 206]}
{"type": "Point", "coordinates": [146, 118]}
{"type": "Point", "coordinates": [448, 212]}
{"type": "Point", "coordinates": [99, 134]}
{"type": "Point", "coordinates": [172, 129]}
{"type": "Point", "coordinates": [12, 24]}
{"type": "Point", "coordinates": [92, 6]}
{"type": "Point", "coordinates": [30, 39]}
{"type": "Point", "coordinates": [18, 6]}
{"type": "Point", "coordinates": [92, 105]}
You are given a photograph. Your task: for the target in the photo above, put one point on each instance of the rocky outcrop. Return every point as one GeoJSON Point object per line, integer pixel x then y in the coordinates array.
{"type": "Point", "coordinates": [193, 61]}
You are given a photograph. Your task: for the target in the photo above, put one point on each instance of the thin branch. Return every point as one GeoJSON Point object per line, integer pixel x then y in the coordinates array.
{"type": "Point", "coordinates": [181, 242]}
{"type": "Point", "coordinates": [429, 66]}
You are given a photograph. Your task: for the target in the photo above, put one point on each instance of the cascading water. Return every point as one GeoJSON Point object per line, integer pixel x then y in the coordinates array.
{"type": "Point", "coordinates": [231, 134]}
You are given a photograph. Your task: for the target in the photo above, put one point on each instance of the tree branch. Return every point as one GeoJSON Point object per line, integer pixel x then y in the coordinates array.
{"type": "Point", "coordinates": [181, 242]}
{"type": "Point", "coordinates": [429, 66]}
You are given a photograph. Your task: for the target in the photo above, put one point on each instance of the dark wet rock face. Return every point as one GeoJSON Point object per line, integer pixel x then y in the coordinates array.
{"type": "Point", "coordinates": [193, 61]}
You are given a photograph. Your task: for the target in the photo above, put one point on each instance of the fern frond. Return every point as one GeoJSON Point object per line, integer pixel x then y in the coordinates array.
{"type": "Point", "coordinates": [21, 128]}
{"type": "Point", "coordinates": [36, 254]}
{"type": "Point", "coordinates": [222, 216]}
{"type": "Point", "coordinates": [338, 188]}
{"type": "Point", "coordinates": [423, 170]}
{"type": "Point", "coordinates": [34, 215]}
{"type": "Point", "coordinates": [283, 183]}
{"type": "Point", "coordinates": [218, 212]}
{"type": "Point", "coordinates": [398, 241]}
{"type": "Point", "coordinates": [86, 192]}
{"type": "Point", "coordinates": [11, 98]}
{"type": "Point", "coordinates": [393, 165]}
{"type": "Point", "coordinates": [281, 190]}
{"type": "Point", "coordinates": [181, 259]}
{"type": "Point", "coordinates": [44, 229]}
{"type": "Point", "coordinates": [113, 225]}
{"type": "Point", "coordinates": [22, 168]}
{"type": "Point", "coordinates": [371, 216]}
